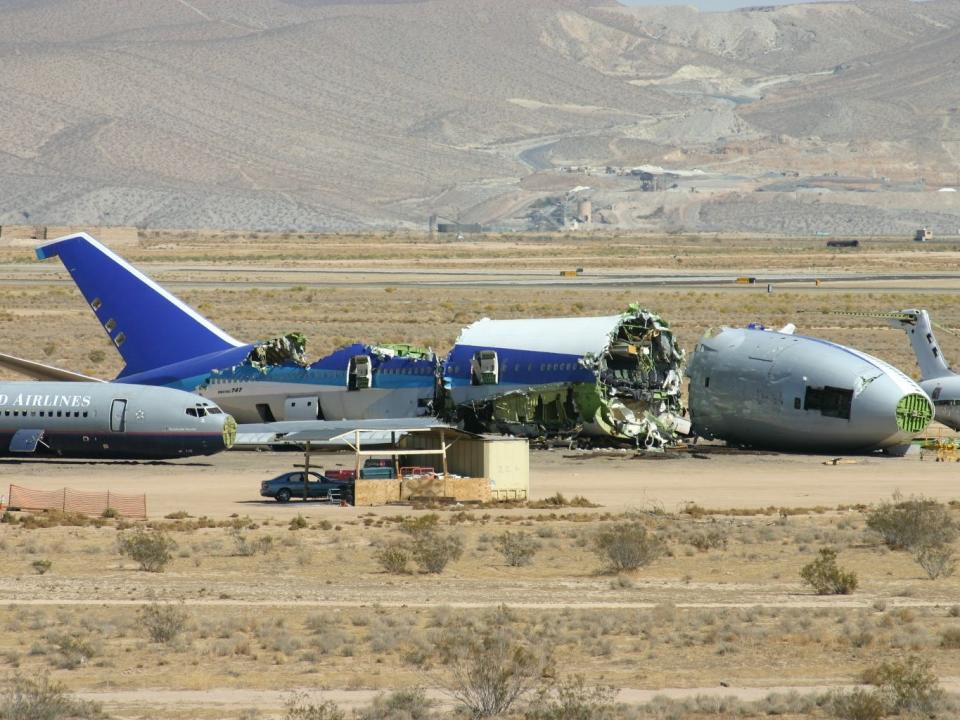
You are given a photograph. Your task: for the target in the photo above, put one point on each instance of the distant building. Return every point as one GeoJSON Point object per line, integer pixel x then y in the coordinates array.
{"type": "Point", "coordinates": [459, 228]}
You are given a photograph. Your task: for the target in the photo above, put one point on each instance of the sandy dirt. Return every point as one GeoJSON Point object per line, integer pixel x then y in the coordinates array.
{"type": "Point", "coordinates": [229, 483]}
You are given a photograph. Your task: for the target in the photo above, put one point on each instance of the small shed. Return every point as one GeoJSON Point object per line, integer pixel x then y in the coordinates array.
{"type": "Point", "coordinates": [432, 461]}
{"type": "Point", "coordinates": [503, 461]}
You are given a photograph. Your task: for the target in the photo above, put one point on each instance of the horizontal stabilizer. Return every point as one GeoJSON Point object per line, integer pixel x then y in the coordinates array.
{"type": "Point", "coordinates": [25, 441]}
{"type": "Point", "coordinates": [150, 327]}
{"type": "Point", "coordinates": [41, 371]}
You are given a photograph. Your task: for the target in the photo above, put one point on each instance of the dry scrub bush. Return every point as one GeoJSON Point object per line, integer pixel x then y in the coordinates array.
{"type": "Point", "coordinates": [912, 524]}
{"type": "Point", "coordinates": [907, 686]}
{"type": "Point", "coordinates": [950, 638]}
{"type": "Point", "coordinates": [489, 669]}
{"type": "Point", "coordinates": [573, 699]}
{"type": "Point", "coordinates": [857, 704]}
{"type": "Point", "coordinates": [42, 699]}
{"type": "Point", "coordinates": [517, 548]}
{"type": "Point", "coordinates": [163, 623]}
{"type": "Point", "coordinates": [73, 650]}
{"type": "Point", "coordinates": [828, 578]}
{"type": "Point", "coordinates": [937, 561]}
{"type": "Point", "coordinates": [152, 549]}
{"type": "Point", "coordinates": [432, 551]}
{"type": "Point", "coordinates": [559, 500]}
{"type": "Point", "coordinates": [41, 567]}
{"type": "Point", "coordinates": [420, 525]}
{"type": "Point", "coordinates": [399, 705]}
{"type": "Point", "coordinates": [716, 706]}
{"type": "Point", "coordinates": [626, 546]}
{"type": "Point", "coordinates": [393, 558]}
{"type": "Point", "coordinates": [299, 707]}
{"type": "Point", "coordinates": [713, 539]}
{"type": "Point", "coordinates": [248, 548]}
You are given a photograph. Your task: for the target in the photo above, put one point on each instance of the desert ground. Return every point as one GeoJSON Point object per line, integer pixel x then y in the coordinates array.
{"type": "Point", "coordinates": [274, 599]}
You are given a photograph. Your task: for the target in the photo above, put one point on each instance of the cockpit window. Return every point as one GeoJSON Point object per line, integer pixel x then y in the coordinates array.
{"type": "Point", "coordinates": [214, 411]}
{"type": "Point", "coordinates": [192, 412]}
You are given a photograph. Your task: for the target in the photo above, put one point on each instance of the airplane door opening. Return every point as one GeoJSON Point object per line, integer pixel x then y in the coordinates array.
{"type": "Point", "coordinates": [118, 416]}
{"type": "Point", "coordinates": [484, 368]}
{"type": "Point", "coordinates": [302, 408]}
{"type": "Point", "coordinates": [265, 413]}
{"type": "Point", "coordinates": [830, 401]}
{"type": "Point", "coordinates": [359, 373]}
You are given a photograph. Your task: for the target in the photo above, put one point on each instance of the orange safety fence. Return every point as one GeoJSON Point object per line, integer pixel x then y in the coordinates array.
{"type": "Point", "coordinates": [78, 501]}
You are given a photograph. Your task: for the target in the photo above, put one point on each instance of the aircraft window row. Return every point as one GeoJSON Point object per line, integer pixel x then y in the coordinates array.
{"type": "Point", "coordinates": [946, 403]}
{"type": "Point", "coordinates": [407, 371]}
{"type": "Point", "coordinates": [544, 367]}
{"type": "Point", "coordinates": [45, 413]}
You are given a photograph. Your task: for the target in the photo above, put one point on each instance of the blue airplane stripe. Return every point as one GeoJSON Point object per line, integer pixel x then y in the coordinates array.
{"type": "Point", "coordinates": [174, 374]}
{"type": "Point", "coordinates": [522, 367]}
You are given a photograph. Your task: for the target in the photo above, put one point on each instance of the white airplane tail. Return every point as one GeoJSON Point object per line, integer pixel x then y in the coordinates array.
{"type": "Point", "coordinates": [919, 329]}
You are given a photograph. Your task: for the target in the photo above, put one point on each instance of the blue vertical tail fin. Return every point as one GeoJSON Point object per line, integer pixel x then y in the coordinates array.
{"type": "Point", "coordinates": [149, 327]}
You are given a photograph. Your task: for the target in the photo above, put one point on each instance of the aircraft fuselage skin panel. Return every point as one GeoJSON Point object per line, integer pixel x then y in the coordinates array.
{"type": "Point", "coordinates": [759, 388]}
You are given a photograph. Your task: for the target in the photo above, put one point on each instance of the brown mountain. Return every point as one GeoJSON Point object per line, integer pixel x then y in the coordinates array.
{"type": "Point", "coordinates": [325, 115]}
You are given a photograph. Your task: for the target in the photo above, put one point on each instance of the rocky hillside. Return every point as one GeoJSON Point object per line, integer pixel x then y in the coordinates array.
{"type": "Point", "coordinates": [313, 114]}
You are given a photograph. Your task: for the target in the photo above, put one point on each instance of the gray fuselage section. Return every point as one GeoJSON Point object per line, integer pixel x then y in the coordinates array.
{"type": "Point", "coordinates": [761, 388]}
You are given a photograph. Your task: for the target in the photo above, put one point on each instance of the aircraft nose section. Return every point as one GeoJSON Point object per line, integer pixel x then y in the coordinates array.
{"type": "Point", "coordinates": [894, 410]}
{"type": "Point", "coordinates": [229, 431]}
{"type": "Point", "coordinates": [914, 412]}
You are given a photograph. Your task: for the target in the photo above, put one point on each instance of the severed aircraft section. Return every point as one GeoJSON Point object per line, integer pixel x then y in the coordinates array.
{"type": "Point", "coordinates": [937, 379]}
{"type": "Point", "coordinates": [607, 378]}
{"type": "Point", "coordinates": [616, 377]}
{"type": "Point", "coordinates": [762, 388]}
{"type": "Point", "coordinates": [276, 383]}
